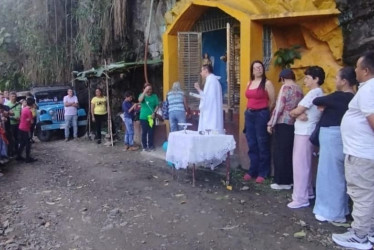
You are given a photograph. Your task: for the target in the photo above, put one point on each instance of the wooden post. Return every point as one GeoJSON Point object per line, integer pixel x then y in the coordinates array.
{"type": "Point", "coordinates": [193, 175]}
{"type": "Point", "coordinates": [148, 31]}
{"type": "Point", "coordinates": [108, 105]}
{"type": "Point", "coordinates": [228, 169]}
{"type": "Point", "coordinates": [89, 109]}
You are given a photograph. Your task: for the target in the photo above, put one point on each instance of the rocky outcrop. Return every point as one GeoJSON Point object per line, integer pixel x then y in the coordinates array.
{"type": "Point", "coordinates": [139, 11]}
{"type": "Point", "coordinates": [357, 21]}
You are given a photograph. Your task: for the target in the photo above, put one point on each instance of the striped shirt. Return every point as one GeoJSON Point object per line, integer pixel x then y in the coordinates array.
{"type": "Point", "coordinates": [176, 101]}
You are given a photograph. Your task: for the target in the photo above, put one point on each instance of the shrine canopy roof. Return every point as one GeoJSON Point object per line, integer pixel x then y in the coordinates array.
{"type": "Point", "coordinates": [112, 68]}
{"type": "Point", "coordinates": [185, 12]}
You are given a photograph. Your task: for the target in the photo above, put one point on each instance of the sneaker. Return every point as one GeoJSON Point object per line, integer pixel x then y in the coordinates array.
{"type": "Point", "coordinates": [247, 177]}
{"type": "Point", "coordinates": [280, 186]}
{"type": "Point", "coordinates": [133, 148]}
{"type": "Point", "coordinates": [323, 219]}
{"type": "Point", "coordinates": [30, 160]}
{"type": "Point", "coordinates": [126, 148]}
{"type": "Point", "coordinates": [260, 180]}
{"type": "Point", "coordinates": [295, 204]}
{"type": "Point", "coordinates": [98, 141]}
{"type": "Point", "coordinates": [371, 237]}
{"type": "Point", "coordinates": [351, 240]}
{"type": "Point", "coordinates": [151, 149]}
{"type": "Point", "coordinates": [66, 139]}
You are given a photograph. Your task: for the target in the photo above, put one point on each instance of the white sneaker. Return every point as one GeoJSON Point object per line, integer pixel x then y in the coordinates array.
{"type": "Point", "coordinates": [295, 204]}
{"type": "Point", "coordinates": [323, 219]}
{"type": "Point", "coordinates": [280, 187]}
{"type": "Point", "coordinates": [371, 237]}
{"type": "Point", "coordinates": [351, 240]}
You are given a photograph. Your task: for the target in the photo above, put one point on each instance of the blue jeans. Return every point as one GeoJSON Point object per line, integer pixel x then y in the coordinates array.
{"type": "Point", "coordinates": [3, 149]}
{"type": "Point", "coordinates": [176, 117]}
{"type": "Point", "coordinates": [258, 141]}
{"type": "Point", "coordinates": [331, 187]}
{"type": "Point", "coordinates": [129, 135]}
{"type": "Point", "coordinates": [147, 134]}
{"type": "Point", "coordinates": [68, 120]}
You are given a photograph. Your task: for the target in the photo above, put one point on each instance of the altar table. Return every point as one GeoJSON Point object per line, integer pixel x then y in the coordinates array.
{"type": "Point", "coordinates": [195, 148]}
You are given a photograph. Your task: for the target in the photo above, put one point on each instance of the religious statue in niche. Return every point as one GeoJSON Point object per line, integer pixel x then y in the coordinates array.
{"type": "Point", "coordinates": [224, 57]}
{"type": "Point", "coordinates": [208, 60]}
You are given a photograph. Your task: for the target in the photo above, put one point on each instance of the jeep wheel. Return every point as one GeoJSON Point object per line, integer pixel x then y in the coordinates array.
{"type": "Point", "coordinates": [43, 135]}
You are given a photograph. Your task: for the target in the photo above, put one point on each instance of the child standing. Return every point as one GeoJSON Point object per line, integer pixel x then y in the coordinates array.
{"type": "Point", "coordinates": [128, 109]}
{"type": "Point", "coordinates": [25, 124]}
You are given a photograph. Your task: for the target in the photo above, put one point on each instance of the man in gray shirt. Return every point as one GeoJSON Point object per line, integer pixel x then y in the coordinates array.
{"type": "Point", "coordinates": [71, 116]}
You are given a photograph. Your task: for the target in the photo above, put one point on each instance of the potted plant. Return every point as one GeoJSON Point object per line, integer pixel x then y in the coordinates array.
{"type": "Point", "coordinates": [285, 57]}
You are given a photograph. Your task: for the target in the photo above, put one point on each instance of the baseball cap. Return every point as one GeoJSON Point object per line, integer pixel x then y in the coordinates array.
{"type": "Point", "coordinates": [286, 74]}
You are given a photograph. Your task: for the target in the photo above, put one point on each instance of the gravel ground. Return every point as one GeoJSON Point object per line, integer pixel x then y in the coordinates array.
{"type": "Point", "coordinates": [80, 195]}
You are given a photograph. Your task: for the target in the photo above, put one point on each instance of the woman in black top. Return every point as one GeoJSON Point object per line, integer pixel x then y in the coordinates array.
{"type": "Point", "coordinates": [331, 194]}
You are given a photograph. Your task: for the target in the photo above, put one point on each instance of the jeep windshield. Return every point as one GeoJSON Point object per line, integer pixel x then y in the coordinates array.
{"type": "Point", "coordinates": [49, 96]}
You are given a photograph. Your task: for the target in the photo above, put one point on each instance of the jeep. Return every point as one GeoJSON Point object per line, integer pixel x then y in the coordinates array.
{"type": "Point", "coordinates": [50, 112]}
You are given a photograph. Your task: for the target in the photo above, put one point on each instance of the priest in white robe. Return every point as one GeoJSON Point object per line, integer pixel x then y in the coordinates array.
{"type": "Point", "coordinates": [211, 111]}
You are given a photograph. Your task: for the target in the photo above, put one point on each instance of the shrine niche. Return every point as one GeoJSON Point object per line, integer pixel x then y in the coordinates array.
{"type": "Point", "coordinates": [234, 33]}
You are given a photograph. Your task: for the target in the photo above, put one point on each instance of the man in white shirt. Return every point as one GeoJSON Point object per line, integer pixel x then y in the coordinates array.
{"type": "Point", "coordinates": [71, 115]}
{"type": "Point", "coordinates": [211, 111]}
{"type": "Point", "coordinates": [357, 130]}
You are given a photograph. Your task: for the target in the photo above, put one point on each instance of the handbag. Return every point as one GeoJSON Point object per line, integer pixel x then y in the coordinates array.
{"type": "Point", "coordinates": [314, 137]}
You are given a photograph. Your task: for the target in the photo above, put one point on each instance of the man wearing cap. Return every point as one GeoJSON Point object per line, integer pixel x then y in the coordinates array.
{"type": "Point", "coordinates": [281, 125]}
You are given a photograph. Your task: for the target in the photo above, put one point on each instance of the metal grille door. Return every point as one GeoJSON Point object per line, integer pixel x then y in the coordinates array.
{"type": "Point", "coordinates": [233, 67]}
{"type": "Point", "coordinates": [189, 63]}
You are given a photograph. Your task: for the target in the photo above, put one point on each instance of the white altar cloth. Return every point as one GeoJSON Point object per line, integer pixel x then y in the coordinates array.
{"type": "Point", "coordinates": [202, 150]}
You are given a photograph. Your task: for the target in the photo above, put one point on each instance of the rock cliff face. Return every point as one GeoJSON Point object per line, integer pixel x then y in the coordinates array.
{"type": "Point", "coordinates": [357, 21]}
{"type": "Point", "coordinates": [140, 11]}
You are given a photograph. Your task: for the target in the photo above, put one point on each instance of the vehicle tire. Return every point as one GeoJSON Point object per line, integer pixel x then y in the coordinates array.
{"type": "Point", "coordinates": [81, 131]}
{"type": "Point", "coordinates": [43, 135]}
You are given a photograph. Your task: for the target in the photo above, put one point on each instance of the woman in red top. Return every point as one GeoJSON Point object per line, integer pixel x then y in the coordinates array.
{"type": "Point", "coordinates": [260, 95]}
{"type": "Point", "coordinates": [25, 123]}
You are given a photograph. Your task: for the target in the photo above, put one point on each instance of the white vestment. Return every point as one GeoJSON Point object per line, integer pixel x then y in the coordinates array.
{"type": "Point", "coordinates": [211, 111]}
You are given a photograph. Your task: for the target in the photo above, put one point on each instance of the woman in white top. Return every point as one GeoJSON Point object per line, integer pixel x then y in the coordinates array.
{"type": "Point", "coordinates": [307, 115]}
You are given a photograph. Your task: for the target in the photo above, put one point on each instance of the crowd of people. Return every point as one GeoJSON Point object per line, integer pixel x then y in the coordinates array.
{"type": "Point", "coordinates": [16, 124]}
{"type": "Point", "coordinates": [339, 125]}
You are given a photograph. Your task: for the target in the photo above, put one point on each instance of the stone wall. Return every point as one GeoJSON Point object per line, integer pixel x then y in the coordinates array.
{"type": "Point", "coordinates": [140, 11]}
{"type": "Point", "coordinates": [357, 21]}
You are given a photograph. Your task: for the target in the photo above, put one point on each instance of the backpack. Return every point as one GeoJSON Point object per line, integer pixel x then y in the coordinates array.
{"type": "Point", "coordinates": [165, 110]}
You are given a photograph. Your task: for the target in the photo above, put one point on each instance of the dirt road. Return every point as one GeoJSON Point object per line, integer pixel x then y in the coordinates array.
{"type": "Point", "coordinates": [80, 195]}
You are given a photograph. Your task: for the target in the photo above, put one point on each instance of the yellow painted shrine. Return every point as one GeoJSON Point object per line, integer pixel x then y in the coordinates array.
{"type": "Point", "coordinates": [313, 24]}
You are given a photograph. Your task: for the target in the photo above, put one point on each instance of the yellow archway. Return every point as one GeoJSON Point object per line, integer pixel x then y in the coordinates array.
{"type": "Point", "coordinates": [314, 24]}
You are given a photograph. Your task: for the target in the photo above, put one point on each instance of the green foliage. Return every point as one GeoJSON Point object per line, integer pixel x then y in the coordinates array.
{"type": "Point", "coordinates": [285, 57]}
{"type": "Point", "coordinates": [42, 40]}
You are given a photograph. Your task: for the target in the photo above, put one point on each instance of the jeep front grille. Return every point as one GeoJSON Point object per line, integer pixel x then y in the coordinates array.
{"type": "Point", "coordinates": [60, 115]}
